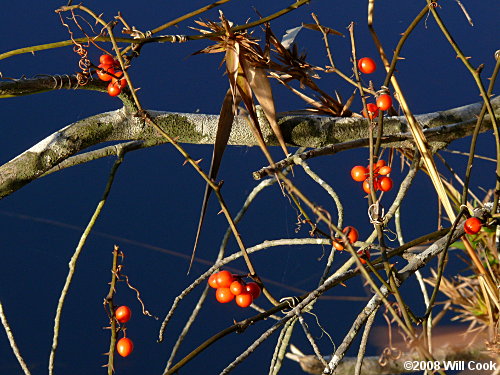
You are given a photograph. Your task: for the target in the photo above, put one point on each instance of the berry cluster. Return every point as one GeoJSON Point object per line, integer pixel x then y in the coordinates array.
{"type": "Point", "coordinates": [231, 287]}
{"type": "Point", "coordinates": [472, 225]}
{"type": "Point", "coordinates": [108, 71]}
{"type": "Point", "coordinates": [124, 346]}
{"type": "Point", "coordinates": [352, 235]}
{"type": "Point", "coordinates": [380, 179]}
{"type": "Point", "coordinates": [383, 99]}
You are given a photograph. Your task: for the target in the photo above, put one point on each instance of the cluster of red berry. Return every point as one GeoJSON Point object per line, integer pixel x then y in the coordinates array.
{"type": "Point", "coordinates": [108, 72]}
{"type": "Point", "coordinates": [380, 179]}
{"type": "Point", "coordinates": [231, 287]}
{"type": "Point", "coordinates": [383, 99]}
{"type": "Point", "coordinates": [472, 225]}
{"type": "Point", "coordinates": [352, 236]}
{"type": "Point", "coordinates": [124, 346]}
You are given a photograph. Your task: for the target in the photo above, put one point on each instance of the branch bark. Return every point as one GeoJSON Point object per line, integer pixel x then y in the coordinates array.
{"type": "Point", "coordinates": [298, 130]}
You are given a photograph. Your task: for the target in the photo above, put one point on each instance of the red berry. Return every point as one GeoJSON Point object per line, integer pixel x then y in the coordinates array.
{"type": "Point", "coordinates": [372, 111]}
{"type": "Point", "coordinates": [367, 65]}
{"type": "Point", "coordinates": [359, 173]}
{"type": "Point", "coordinates": [379, 164]}
{"type": "Point", "coordinates": [122, 82]}
{"type": "Point", "coordinates": [125, 346]}
{"type": "Point", "coordinates": [253, 289]}
{"type": "Point", "coordinates": [103, 74]}
{"type": "Point", "coordinates": [244, 299]}
{"type": "Point", "coordinates": [366, 186]}
{"type": "Point", "coordinates": [106, 60]}
{"type": "Point", "coordinates": [212, 280]}
{"type": "Point", "coordinates": [224, 295]}
{"type": "Point", "coordinates": [114, 89]}
{"type": "Point", "coordinates": [384, 102]}
{"type": "Point", "coordinates": [236, 287]}
{"type": "Point", "coordinates": [338, 245]}
{"type": "Point", "coordinates": [224, 279]}
{"type": "Point", "coordinates": [123, 314]}
{"type": "Point", "coordinates": [364, 254]}
{"type": "Point", "coordinates": [472, 225]}
{"type": "Point", "coordinates": [385, 170]}
{"type": "Point", "coordinates": [351, 233]}
{"type": "Point", "coordinates": [385, 183]}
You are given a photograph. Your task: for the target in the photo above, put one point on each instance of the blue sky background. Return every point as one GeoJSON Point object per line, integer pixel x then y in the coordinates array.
{"type": "Point", "coordinates": [155, 201]}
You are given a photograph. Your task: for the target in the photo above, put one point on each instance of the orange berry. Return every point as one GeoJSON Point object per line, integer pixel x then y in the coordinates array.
{"type": "Point", "coordinates": [236, 287]}
{"type": "Point", "coordinates": [244, 299]}
{"type": "Point", "coordinates": [123, 314]}
{"type": "Point", "coordinates": [384, 102]}
{"type": "Point", "coordinates": [359, 173]}
{"type": "Point", "coordinates": [224, 279]}
{"type": "Point", "coordinates": [212, 280]}
{"type": "Point", "coordinates": [224, 295]}
{"type": "Point", "coordinates": [124, 346]}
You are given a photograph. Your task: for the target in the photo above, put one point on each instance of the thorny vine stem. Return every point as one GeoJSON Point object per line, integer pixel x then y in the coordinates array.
{"type": "Point", "coordinates": [111, 309]}
{"type": "Point", "coordinates": [166, 38]}
{"type": "Point", "coordinates": [74, 258]}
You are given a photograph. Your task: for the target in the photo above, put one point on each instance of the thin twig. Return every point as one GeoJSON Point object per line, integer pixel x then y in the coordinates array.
{"type": "Point", "coordinates": [76, 255]}
{"type": "Point", "coordinates": [12, 341]}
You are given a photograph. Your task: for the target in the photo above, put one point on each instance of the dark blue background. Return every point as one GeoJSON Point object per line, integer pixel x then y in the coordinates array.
{"type": "Point", "coordinates": [155, 201]}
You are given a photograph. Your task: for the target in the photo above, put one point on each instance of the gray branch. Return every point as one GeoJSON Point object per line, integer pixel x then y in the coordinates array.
{"type": "Point", "coordinates": [298, 129]}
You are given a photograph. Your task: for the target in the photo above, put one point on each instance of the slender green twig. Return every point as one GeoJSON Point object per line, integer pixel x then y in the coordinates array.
{"type": "Point", "coordinates": [111, 309]}
{"type": "Point", "coordinates": [12, 341]}
{"type": "Point", "coordinates": [364, 341]}
{"type": "Point", "coordinates": [476, 74]}
{"type": "Point", "coordinates": [281, 346]}
{"type": "Point", "coordinates": [76, 255]}
{"type": "Point", "coordinates": [187, 16]}
{"type": "Point", "coordinates": [165, 38]}
{"type": "Point", "coordinates": [472, 151]}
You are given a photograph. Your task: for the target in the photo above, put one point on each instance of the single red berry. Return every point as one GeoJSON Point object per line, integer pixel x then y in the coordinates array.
{"type": "Point", "coordinates": [472, 225]}
{"type": "Point", "coordinates": [364, 254]}
{"type": "Point", "coordinates": [385, 170]}
{"type": "Point", "coordinates": [122, 82]}
{"type": "Point", "coordinates": [236, 287]}
{"type": "Point", "coordinates": [224, 279]}
{"type": "Point", "coordinates": [384, 102]}
{"type": "Point", "coordinates": [351, 233]}
{"type": "Point", "coordinates": [114, 89]}
{"type": "Point", "coordinates": [244, 299]}
{"type": "Point", "coordinates": [359, 173]}
{"type": "Point", "coordinates": [337, 244]}
{"type": "Point", "coordinates": [212, 280]}
{"type": "Point", "coordinates": [367, 65]}
{"type": "Point", "coordinates": [379, 164]}
{"type": "Point", "coordinates": [224, 295]}
{"type": "Point", "coordinates": [385, 183]}
{"type": "Point", "coordinates": [372, 111]}
{"type": "Point", "coordinates": [123, 314]}
{"type": "Point", "coordinates": [106, 60]}
{"type": "Point", "coordinates": [103, 74]}
{"type": "Point", "coordinates": [366, 186]}
{"type": "Point", "coordinates": [253, 289]}
{"type": "Point", "coordinates": [124, 346]}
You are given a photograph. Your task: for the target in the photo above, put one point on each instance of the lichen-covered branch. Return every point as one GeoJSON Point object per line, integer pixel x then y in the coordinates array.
{"type": "Point", "coordinates": [298, 130]}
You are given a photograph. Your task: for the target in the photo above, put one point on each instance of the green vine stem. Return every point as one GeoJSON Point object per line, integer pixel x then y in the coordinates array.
{"type": "Point", "coordinates": [480, 118]}
{"type": "Point", "coordinates": [162, 39]}
{"type": "Point", "coordinates": [76, 255]}
{"type": "Point", "coordinates": [111, 309]}
{"type": "Point", "coordinates": [476, 74]}
{"type": "Point", "coordinates": [12, 341]}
